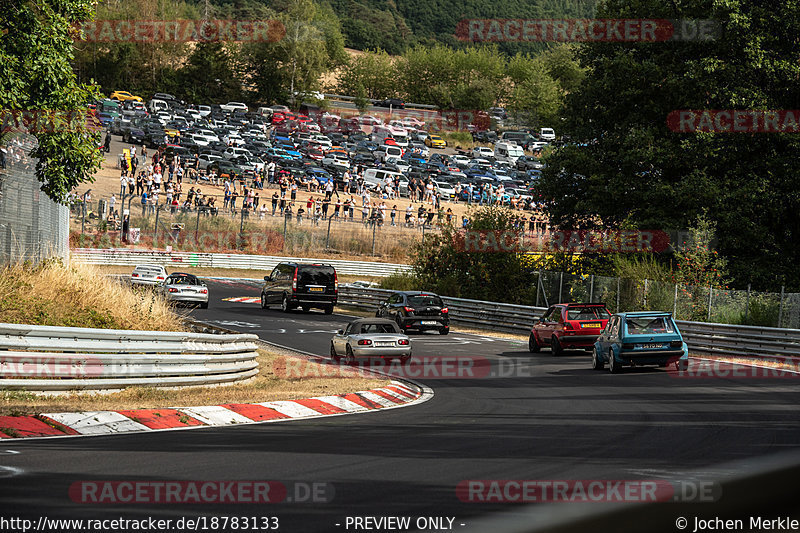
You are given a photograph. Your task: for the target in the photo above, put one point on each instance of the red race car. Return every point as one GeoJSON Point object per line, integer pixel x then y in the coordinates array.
{"type": "Point", "coordinates": [566, 326]}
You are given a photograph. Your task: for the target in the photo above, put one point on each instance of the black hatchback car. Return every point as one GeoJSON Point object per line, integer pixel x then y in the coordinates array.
{"type": "Point", "coordinates": [302, 285]}
{"type": "Point", "coordinates": [416, 310]}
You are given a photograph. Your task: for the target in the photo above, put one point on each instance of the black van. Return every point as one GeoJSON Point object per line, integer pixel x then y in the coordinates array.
{"type": "Point", "coordinates": [301, 285]}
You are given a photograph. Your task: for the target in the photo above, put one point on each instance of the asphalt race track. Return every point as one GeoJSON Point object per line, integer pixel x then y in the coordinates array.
{"type": "Point", "coordinates": [524, 416]}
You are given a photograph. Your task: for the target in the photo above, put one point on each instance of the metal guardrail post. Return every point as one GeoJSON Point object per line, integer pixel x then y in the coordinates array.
{"type": "Point", "coordinates": [675, 303]}
{"type": "Point", "coordinates": [560, 285]}
{"type": "Point", "coordinates": [591, 290]}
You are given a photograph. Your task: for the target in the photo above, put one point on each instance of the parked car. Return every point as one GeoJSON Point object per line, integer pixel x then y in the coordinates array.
{"type": "Point", "coordinates": [391, 102]}
{"type": "Point", "coordinates": [370, 337]}
{"type": "Point", "coordinates": [638, 339]}
{"type": "Point", "coordinates": [301, 285]}
{"type": "Point", "coordinates": [435, 141]}
{"type": "Point", "coordinates": [185, 288]}
{"type": "Point", "coordinates": [416, 310]}
{"type": "Point", "coordinates": [124, 95]}
{"type": "Point", "coordinates": [568, 325]}
{"type": "Point", "coordinates": [148, 275]}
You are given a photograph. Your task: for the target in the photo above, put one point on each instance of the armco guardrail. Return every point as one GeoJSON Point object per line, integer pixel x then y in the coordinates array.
{"type": "Point", "coordinates": [705, 339]}
{"type": "Point", "coordinates": [728, 340]}
{"type": "Point", "coordinates": [58, 359]}
{"type": "Point", "coordinates": [489, 315]}
{"type": "Point", "coordinates": [187, 260]}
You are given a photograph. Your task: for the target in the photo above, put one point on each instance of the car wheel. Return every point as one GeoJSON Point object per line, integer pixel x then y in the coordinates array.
{"type": "Point", "coordinates": [533, 344]}
{"type": "Point", "coordinates": [555, 346]}
{"type": "Point", "coordinates": [305, 308]}
{"type": "Point", "coordinates": [613, 365]}
{"type": "Point", "coordinates": [334, 355]}
{"type": "Point", "coordinates": [204, 305]}
{"type": "Point", "coordinates": [349, 357]}
{"type": "Point", "coordinates": [264, 304]}
{"type": "Point", "coordinates": [285, 304]}
{"type": "Point", "coordinates": [597, 363]}
{"type": "Point", "coordinates": [444, 331]}
{"type": "Point", "coordinates": [329, 310]}
{"type": "Point", "coordinates": [405, 359]}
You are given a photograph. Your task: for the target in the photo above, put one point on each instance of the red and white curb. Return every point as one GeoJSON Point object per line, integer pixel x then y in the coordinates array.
{"type": "Point", "coordinates": [397, 394]}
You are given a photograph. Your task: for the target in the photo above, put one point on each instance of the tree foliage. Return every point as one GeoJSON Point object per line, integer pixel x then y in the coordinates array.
{"type": "Point", "coordinates": [635, 168]}
{"type": "Point", "coordinates": [373, 71]}
{"type": "Point", "coordinates": [36, 75]}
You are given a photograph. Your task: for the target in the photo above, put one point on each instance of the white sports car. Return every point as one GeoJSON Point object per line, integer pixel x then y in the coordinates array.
{"type": "Point", "coordinates": [370, 337]}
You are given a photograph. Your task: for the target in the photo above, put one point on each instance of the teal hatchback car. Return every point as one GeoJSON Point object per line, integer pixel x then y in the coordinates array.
{"type": "Point", "coordinates": [642, 338]}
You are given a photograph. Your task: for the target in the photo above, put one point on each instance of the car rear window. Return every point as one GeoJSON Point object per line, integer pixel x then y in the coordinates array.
{"type": "Point", "coordinates": [313, 275]}
{"type": "Point", "coordinates": [424, 299]}
{"type": "Point", "coordinates": [379, 328]}
{"type": "Point", "coordinates": [649, 325]}
{"type": "Point", "coordinates": [586, 313]}
{"type": "Point", "coordinates": [183, 280]}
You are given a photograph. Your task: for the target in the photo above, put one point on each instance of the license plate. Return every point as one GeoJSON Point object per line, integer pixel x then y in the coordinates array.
{"type": "Point", "coordinates": [651, 346]}
{"type": "Point", "coordinates": [384, 344]}
{"type": "Point", "coordinates": [592, 325]}
{"type": "Point", "coordinates": [429, 323]}
{"type": "Point", "coordinates": [316, 289]}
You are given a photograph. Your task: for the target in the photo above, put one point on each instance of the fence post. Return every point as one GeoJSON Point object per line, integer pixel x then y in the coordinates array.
{"type": "Point", "coordinates": [618, 288]}
{"type": "Point", "coordinates": [780, 310]}
{"type": "Point", "coordinates": [645, 293]}
{"type": "Point", "coordinates": [374, 227]}
{"type": "Point", "coordinates": [197, 226]}
{"type": "Point", "coordinates": [560, 285]}
{"type": "Point", "coordinates": [675, 303]}
{"type": "Point", "coordinates": [591, 290]}
{"type": "Point", "coordinates": [328, 236]}
{"type": "Point", "coordinates": [538, 284]}
{"type": "Point", "coordinates": [155, 229]}
{"type": "Point", "coordinates": [710, 292]}
{"type": "Point", "coordinates": [747, 304]}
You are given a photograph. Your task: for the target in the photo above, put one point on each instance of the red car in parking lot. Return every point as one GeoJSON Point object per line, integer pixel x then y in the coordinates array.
{"type": "Point", "coordinates": [567, 326]}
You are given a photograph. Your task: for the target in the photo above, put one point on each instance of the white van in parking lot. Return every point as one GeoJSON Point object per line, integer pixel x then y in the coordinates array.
{"type": "Point", "coordinates": [508, 152]}
{"type": "Point", "coordinates": [547, 134]}
{"type": "Point", "coordinates": [375, 178]}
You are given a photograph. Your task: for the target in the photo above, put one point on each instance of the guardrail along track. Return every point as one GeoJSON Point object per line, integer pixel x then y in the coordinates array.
{"type": "Point", "coordinates": [58, 359]}
{"type": "Point", "coordinates": [186, 260]}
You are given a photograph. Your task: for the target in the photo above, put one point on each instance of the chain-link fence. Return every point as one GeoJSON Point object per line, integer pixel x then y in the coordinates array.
{"type": "Point", "coordinates": [32, 226]}
{"type": "Point", "coordinates": [703, 304]}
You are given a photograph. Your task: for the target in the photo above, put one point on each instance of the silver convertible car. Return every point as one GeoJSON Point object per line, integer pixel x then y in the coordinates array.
{"type": "Point", "coordinates": [370, 337]}
{"type": "Point", "coordinates": [185, 288]}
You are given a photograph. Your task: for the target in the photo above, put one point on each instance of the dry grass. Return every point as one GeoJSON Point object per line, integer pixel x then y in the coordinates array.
{"type": "Point", "coordinates": [79, 296]}
{"type": "Point", "coordinates": [269, 385]}
{"type": "Point", "coordinates": [772, 364]}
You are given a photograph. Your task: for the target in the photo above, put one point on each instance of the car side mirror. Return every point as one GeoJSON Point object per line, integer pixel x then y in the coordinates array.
{"type": "Point", "coordinates": [340, 332]}
{"type": "Point", "coordinates": [267, 278]}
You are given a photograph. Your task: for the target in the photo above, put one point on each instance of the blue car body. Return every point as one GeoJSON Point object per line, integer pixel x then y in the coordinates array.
{"type": "Point", "coordinates": [640, 338]}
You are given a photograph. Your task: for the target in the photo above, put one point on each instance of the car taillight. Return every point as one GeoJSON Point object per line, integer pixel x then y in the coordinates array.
{"type": "Point", "coordinates": [403, 342]}
{"type": "Point", "coordinates": [160, 277]}
{"type": "Point", "coordinates": [676, 344]}
{"type": "Point", "coordinates": [294, 280]}
{"type": "Point", "coordinates": [568, 325]}
{"type": "Point", "coordinates": [134, 275]}
{"type": "Point", "coordinates": [408, 309]}
{"type": "Point", "coordinates": [204, 291]}
{"type": "Point", "coordinates": [365, 342]}
{"type": "Point", "coordinates": [335, 283]}
{"type": "Point", "coordinates": [445, 310]}
{"type": "Point", "coordinates": [173, 289]}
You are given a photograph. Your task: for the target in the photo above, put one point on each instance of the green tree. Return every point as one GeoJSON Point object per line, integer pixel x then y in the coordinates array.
{"type": "Point", "coordinates": [374, 71]}
{"type": "Point", "coordinates": [538, 97]}
{"type": "Point", "coordinates": [312, 46]}
{"type": "Point", "coordinates": [361, 101]}
{"type": "Point", "coordinates": [211, 74]}
{"type": "Point", "coordinates": [634, 167]}
{"type": "Point", "coordinates": [36, 74]}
